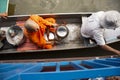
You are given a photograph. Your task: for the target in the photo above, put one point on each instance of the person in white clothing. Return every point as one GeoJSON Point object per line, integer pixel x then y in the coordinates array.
{"type": "Point", "coordinates": [93, 27]}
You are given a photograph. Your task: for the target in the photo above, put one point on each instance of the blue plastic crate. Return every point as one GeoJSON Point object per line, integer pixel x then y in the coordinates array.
{"type": "Point", "coordinates": [64, 70]}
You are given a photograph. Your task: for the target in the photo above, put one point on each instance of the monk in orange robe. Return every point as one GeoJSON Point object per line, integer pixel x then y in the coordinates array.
{"type": "Point", "coordinates": [35, 28]}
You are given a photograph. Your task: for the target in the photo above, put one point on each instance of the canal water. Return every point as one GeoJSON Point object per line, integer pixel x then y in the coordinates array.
{"type": "Point", "coordinates": [21, 7]}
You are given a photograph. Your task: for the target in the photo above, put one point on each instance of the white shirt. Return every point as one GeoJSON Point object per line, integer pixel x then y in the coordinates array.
{"type": "Point", "coordinates": [91, 28]}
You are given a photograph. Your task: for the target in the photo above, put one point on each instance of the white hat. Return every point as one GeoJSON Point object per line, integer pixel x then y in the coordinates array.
{"type": "Point", "coordinates": [111, 19]}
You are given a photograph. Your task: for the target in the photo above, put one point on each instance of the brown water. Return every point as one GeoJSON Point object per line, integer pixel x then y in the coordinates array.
{"type": "Point", "coordinates": [18, 7]}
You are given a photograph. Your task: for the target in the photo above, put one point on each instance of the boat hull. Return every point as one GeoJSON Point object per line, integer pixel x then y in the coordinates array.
{"type": "Point", "coordinates": [71, 47]}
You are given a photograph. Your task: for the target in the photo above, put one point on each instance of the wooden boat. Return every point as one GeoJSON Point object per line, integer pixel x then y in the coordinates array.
{"type": "Point", "coordinates": [71, 46]}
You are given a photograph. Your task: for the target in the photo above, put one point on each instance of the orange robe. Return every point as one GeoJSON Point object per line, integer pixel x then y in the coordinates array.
{"type": "Point", "coordinates": [38, 36]}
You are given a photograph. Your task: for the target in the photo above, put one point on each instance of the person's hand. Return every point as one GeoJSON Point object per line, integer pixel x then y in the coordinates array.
{"type": "Point", "coordinates": [50, 42]}
{"type": "Point", "coordinates": [55, 25]}
{"type": "Point", "coordinates": [3, 15]}
{"type": "Point", "coordinates": [118, 52]}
